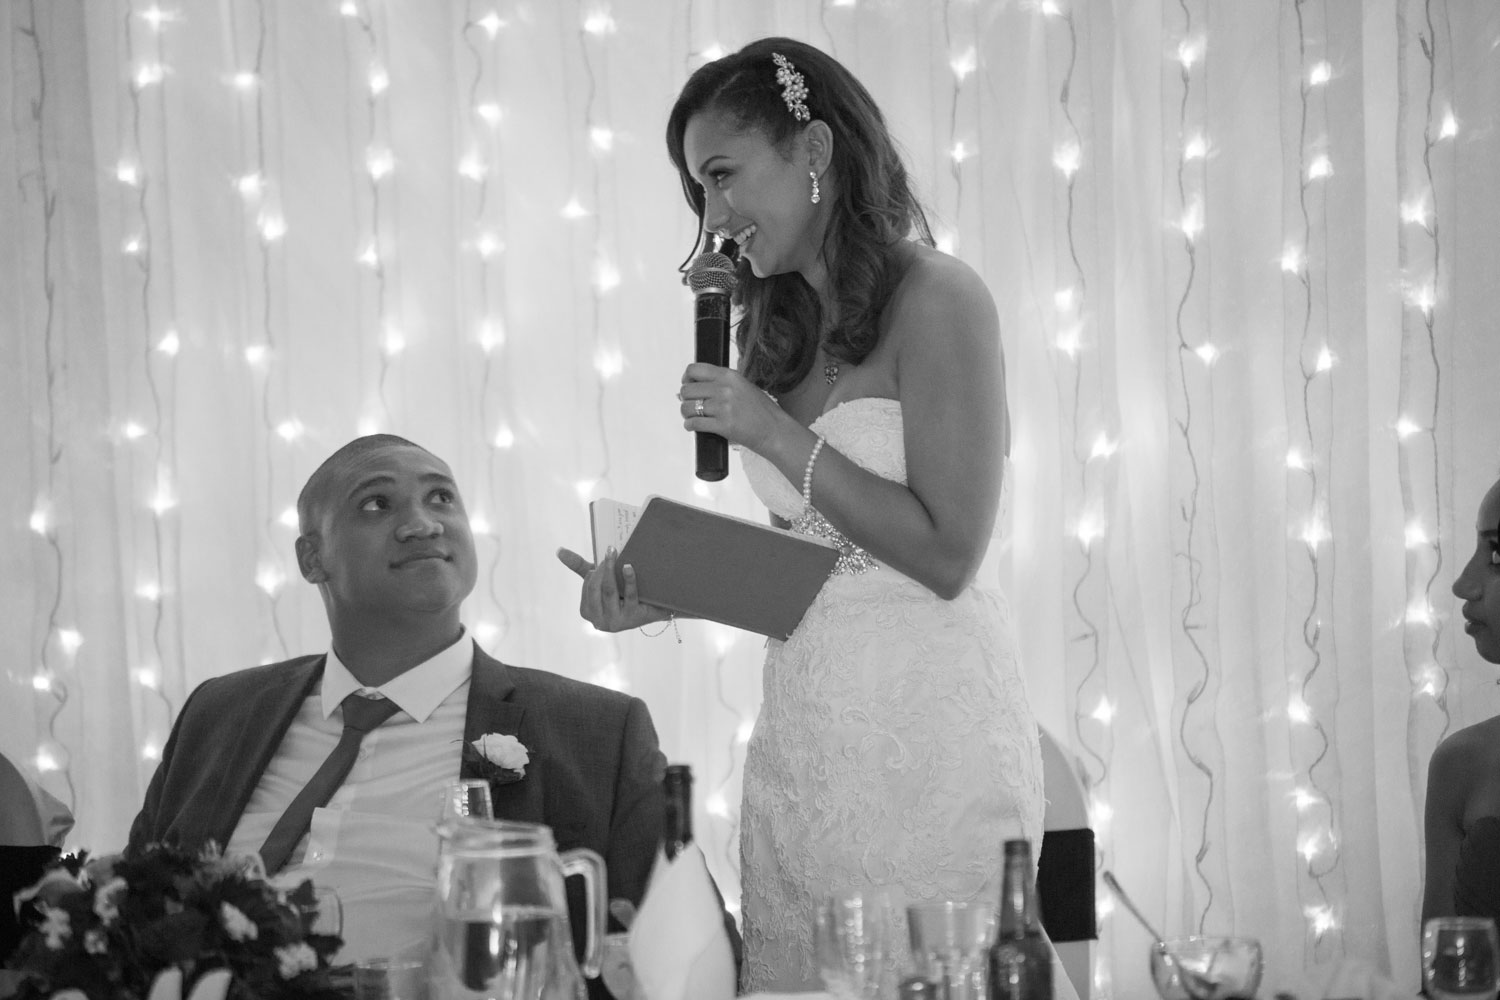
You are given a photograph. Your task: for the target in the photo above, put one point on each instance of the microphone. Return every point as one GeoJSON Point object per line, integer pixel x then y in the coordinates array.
{"type": "Point", "coordinates": [711, 277]}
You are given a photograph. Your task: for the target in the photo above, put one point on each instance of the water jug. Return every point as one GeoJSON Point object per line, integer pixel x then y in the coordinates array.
{"type": "Point", "coordinates": [500, 917]}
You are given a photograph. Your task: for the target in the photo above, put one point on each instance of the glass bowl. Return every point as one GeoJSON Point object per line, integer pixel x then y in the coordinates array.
{"type": "Point", "coordinates": [1206, 968]}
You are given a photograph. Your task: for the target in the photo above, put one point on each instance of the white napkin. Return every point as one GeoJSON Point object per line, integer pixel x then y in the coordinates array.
{"type": "Point", "coordinates": [167, 985]}
{"type": "Point", "coordinates": [678, 947]}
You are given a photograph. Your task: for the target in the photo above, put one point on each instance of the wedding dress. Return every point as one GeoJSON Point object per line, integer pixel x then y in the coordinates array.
{"type": "Point", "coordinates": [895, 745]}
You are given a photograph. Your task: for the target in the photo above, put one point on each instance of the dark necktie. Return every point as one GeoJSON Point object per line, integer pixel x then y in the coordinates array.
{"type": "Point", "coordinates": [361, 715]}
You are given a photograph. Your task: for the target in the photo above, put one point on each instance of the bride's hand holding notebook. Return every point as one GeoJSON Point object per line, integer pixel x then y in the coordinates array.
{"type": "Point", "coordinates": [609, 600]}
{"type": "Point", "coordinates": [698, 563]}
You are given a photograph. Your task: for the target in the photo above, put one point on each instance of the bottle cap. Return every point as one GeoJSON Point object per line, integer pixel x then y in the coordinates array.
{"type": "Point", "coordinates": [1020, 846]}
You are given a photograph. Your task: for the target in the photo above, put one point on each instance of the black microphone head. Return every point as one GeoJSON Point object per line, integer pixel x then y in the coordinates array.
{"type": "Point", "coordinates": [711, 273]}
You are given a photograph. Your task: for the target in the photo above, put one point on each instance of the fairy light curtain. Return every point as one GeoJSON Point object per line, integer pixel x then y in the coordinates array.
{"type": "Point", "coordinates": [1243, 255]}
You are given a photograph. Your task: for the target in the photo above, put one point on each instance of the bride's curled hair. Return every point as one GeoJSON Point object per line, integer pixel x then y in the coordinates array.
{"type": "Point", "coordinates": [875, 207]}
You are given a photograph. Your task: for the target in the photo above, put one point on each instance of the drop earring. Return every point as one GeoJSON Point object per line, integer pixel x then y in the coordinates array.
{"type": "Point", "coordinates": [816, 197]}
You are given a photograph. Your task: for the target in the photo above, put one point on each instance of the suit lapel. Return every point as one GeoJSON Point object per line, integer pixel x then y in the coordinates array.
{"type": "Point", "coordinates": [494, 708]}
{"type": "Point", "coordinates": [267, 715]}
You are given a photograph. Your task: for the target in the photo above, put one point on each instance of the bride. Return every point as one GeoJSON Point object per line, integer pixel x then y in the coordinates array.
{"type": "Point", "coordinates": [895, 745]}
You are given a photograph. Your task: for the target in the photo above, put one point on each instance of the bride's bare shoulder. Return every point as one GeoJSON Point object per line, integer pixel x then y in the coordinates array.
{"type": "Point", "coordinates": [937, 291]}
{"type": "Point", "coordinates": [1473, 749]}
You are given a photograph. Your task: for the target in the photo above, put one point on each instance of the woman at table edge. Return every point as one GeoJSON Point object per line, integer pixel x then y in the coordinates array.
{"type": "Point", "coordinates": [1462, 813]}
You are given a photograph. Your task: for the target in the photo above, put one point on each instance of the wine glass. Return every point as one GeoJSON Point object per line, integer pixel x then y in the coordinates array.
{"type": "Point", "coordinates": [1459, 958]}
{"type": "Point", "coordinates": [855, 941]}
{"type": "Point", "coordinates": [467, 798]}
{"type": "Point", "coordinates": [950, 944]}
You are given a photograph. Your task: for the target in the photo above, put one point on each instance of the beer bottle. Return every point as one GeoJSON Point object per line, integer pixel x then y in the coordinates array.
{"type": "Point", "coordinates": [677, 826]}
{"type": "Point", "coordinates": [1021, 957]}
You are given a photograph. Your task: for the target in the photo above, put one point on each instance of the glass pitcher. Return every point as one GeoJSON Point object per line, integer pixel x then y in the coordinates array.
{"type": "Point", "coordinates": [500, 917]}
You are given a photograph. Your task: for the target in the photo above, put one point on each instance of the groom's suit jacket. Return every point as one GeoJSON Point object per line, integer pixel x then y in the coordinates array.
{"type": "Point", "coordinates": [594, 776]}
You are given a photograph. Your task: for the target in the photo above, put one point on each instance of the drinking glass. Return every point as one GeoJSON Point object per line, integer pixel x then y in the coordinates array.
{"type": "Point", "coordinates": [1206, 967]}
{"type": "Point", "coordinates": [855, 937]}
{"type": "Point", "coordinates": [394, 978]}
{"type": "Point", "coordinates": [324, 913]}
{"type": "Point", "coordinates": [468, 798]}
{"type": "Point", "coordinates": [950, 944]}
{"type": "Point", "coordinates": [1459, 958]}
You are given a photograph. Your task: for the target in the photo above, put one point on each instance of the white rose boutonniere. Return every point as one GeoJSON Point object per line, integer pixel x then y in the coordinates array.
{"type": "Point", "coordinates": [497, 758]}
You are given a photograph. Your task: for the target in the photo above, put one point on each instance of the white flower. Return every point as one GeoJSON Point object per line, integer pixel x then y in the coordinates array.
{"type": "Point", "coordinates": [504, 751]}
{"type": "Point", "coordinates": [106, 900]}
{"type": "Point", "coordinates": [238, 926]}
{"type": "Point", "coordinates": [57, 926]}
{"type": "Point", "coordinates": [95, 942]}
{"type": "Point", "coordinates": [295, 958]}
{"type": "Point", "coordinates": [56, 884]}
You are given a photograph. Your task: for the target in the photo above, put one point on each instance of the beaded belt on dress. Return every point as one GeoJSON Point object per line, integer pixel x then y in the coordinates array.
{"type": "Point", "coordinates": [852, 558]}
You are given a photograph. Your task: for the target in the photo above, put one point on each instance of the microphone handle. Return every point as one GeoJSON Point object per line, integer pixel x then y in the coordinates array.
{"type": "Point", "coordinates": [711, 334]}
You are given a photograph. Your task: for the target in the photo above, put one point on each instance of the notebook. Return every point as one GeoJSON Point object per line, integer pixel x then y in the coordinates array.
{"type": "Point", "coordinates": [709, 565]}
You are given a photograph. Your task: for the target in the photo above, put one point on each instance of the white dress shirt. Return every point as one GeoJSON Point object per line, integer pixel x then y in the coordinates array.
{"type": "Point", "coordinates": [375, 842]}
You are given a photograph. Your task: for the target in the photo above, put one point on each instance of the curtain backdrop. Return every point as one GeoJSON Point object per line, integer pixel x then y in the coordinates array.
{"type": "Point", "coordinates": [1244, 257]}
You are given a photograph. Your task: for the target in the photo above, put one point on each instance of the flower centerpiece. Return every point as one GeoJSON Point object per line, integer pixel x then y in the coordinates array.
{"type": "Point", "coordinates": [109, 927]}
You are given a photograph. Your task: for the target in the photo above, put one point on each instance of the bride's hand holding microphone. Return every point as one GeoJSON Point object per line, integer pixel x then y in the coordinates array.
{"type": "Point", "coordinates": [721, 401]}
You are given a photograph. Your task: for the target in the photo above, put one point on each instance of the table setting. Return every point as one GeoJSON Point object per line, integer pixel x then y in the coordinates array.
{"type": "Point", "coordinates": [169, 925]}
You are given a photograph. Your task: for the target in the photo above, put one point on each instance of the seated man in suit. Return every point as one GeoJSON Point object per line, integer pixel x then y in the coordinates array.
{"type": "Point", "coordinates": [385, 538]}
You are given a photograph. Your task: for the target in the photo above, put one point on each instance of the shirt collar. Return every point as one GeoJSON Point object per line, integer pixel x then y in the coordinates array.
{"type": "Point", "coordinates": [417, 692]}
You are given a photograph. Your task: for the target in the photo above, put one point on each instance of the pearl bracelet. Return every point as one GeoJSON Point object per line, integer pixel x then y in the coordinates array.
{"type": "Point", "coordinates": [807, 474]}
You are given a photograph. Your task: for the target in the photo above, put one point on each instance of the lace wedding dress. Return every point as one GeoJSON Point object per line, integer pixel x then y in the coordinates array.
{"type": "Point", "coordinates": [894, 747]}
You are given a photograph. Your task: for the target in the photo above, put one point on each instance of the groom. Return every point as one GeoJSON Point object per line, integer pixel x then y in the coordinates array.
{"type": "Point", "coordinates": [385, 538]}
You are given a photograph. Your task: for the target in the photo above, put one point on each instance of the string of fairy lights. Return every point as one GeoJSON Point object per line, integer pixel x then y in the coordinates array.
{"type": "Point", "coordinates": [56, 645]}
{"type": "Point", "coordinates": [1091, 450]}
{"type": "Point", "coordinates": [963, 60]}
{"type": "Point", "coordinates": [488, 224]}
{"type": "Point", "coordinates": [1420, 394]}
{"type": "Point", "coordinates": [593, 27]}
{"type": "Point", "coordinates": [1318, 835]}
{"type": "Point", "coordinates": [717, 804]}
{"type": "Point", "coordinates": [366, 32]}
{"type": "Point", "coordinates": [262, 355]}
{"type": "Point", "coordinates": [1194, 376]}
{"type": "Point", "coordinates": [159, 347]}
{"type": "Point", "coordinates": [265, 226]}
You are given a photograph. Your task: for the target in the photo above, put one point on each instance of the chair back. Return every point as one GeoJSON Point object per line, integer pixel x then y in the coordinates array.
{"type": "Point", "coordinates": [1065, 869]}
{"type": "Point", "coordinates": [24, 852]}
{"type": "Point", "coordinates": [20, 820]}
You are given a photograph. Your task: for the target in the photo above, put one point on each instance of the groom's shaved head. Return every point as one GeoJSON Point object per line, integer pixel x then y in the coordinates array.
{"type": "Point", "coordinates": [313, 499]}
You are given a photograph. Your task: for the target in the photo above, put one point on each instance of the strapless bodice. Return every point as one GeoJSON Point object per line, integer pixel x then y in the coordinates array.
{"type": "Point", "coordinates": [870, 432]}
{"type": "Point", "coordinates": [867, 431]}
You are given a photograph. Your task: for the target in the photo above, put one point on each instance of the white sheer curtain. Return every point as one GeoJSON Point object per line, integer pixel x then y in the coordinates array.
{"type": "Point", "coordinates": [1244, 257]}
